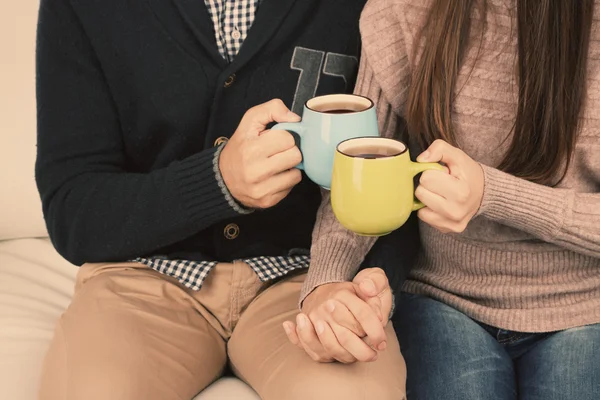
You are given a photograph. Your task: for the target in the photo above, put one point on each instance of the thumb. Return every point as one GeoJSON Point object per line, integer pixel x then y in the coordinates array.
{"type": "Point", "coordinates": [290, 331]}
{"type": "Point", "coordinates": [272, 111]}
{"type": "Point", "coordinates": [439, 151]}
{"type": "Point", "coordinates": [371, 282]}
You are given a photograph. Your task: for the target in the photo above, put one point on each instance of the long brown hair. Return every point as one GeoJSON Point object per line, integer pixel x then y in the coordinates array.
{"type": "Point", "coordinates": [553, 39]}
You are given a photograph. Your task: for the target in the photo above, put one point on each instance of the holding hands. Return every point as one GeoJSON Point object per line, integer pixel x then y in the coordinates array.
{"type": "Point", "coordinates": [344, 321]}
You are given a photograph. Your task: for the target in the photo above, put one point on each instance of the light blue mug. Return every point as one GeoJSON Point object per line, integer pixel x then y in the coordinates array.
{"type": "Point", "coordinates": [326, 122]}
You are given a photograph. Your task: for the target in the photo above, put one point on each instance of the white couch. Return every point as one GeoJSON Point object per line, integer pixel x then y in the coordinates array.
{"type": "Point", "coordinates": [36, 283]}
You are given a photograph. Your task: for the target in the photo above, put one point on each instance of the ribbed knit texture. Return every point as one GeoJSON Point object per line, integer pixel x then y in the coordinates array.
{"type": "Point", "coordinates": [530, 259]}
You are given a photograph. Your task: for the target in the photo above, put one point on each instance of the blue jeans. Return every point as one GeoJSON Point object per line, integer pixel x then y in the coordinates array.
{"type": "Point", "coordinates": [449, 356]}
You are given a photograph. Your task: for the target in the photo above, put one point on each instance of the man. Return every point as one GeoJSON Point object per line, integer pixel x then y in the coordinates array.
{"type": "Point", "coordinates": [158, 174]}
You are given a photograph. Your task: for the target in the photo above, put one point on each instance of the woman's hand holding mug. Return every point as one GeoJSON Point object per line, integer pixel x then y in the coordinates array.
{"type": "Point", "coordinates": [452, 199]}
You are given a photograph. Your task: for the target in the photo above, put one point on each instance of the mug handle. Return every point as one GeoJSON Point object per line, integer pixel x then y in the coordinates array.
{"type": "Point", "coordinates": [295, 127]}
{"type": "Point", "coordinates": [418, 167]}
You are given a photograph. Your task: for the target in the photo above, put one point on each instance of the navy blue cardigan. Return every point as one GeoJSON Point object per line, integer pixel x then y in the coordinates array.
{"type": "Point", "coordinates": [132, 96]}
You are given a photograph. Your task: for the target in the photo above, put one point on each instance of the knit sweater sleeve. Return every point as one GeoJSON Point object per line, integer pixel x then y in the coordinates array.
{"type": "Point", "coordinates": [560, 216]}
{"type": "Point", "coordinates": [336, 253]}
{"type": "Point", "coordinates": [95, 208]}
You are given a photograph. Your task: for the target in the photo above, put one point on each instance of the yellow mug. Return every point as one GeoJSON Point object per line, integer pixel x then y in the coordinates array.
{"type": "Point", "coordinates": [372, 189]}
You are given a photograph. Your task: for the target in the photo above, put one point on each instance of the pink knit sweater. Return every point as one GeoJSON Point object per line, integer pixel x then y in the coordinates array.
{"type": "Point", "coordinates": [530, 260]}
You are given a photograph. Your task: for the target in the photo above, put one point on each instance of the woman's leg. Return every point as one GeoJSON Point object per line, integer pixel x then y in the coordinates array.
{"type": "Point", "coordinates": [565, 365]}
{"type": "Point", "coordinates": [448, 355]}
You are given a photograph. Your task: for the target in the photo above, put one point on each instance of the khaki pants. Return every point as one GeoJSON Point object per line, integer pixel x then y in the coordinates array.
{"type": "Point", "coordinates": [132, 333]}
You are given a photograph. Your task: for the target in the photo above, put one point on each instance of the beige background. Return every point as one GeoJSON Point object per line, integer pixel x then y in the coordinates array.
{"type": "Point", "coordinates": [20, 208]}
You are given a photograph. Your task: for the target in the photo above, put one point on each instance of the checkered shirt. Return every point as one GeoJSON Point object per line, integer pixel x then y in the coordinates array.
{"type": "Point", "coordinates": [232, 20]}
{"type": "Point", "coordinates": [192, 274]}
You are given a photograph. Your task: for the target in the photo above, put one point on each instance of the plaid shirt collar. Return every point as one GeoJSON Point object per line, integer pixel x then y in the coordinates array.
{"type": "Point", "coordinates": [232, 20]}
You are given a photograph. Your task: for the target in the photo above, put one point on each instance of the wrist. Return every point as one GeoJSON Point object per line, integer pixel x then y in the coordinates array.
{"type": "Point", "coordinates": [219, 167]}
{"type": "Point", "coordinates": [317, 294]}
{"type": "Point", "coordinates": [480, 190]}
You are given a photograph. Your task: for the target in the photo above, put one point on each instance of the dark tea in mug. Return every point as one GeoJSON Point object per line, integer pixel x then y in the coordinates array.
{"type": "Point", "coordinates": [370, 152]}
{"type": "Point", "coordinates": [339, 111]}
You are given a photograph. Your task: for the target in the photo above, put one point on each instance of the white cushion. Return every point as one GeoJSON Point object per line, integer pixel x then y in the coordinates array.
{"type": "Point", "coordinates": [228, 389]}
{"type": "Point", "coordinates": [20, 207]}
{"type": "Point", "coordinates": [36, 285]}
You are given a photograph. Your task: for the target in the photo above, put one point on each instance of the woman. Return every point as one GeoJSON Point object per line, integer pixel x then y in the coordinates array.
{"type": "Point", "coordinates": [504, 299]}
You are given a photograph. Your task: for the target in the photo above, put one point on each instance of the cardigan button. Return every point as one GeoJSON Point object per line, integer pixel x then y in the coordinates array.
{"type": "Point", "coordinates": [220, 141]}
{"type": "Point", "coordinates": [229, 81]}
{"type": "Point", "coordinates": [231, 231]}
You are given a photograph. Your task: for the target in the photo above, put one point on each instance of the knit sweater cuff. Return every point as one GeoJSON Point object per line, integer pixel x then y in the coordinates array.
{"type": "Point", "coordinates": [516, 202]}
{"type": "Point", "coordinates": [202, 189]}
{"type": "Point", "coordinates": [331, 261]}
{"type": "Point", "coordinates": [228, 196]}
